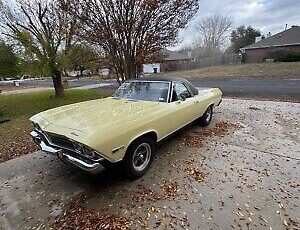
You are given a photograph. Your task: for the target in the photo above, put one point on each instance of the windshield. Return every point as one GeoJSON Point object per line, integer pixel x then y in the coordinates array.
{"type": "Point", "coordinates": [144, 90]}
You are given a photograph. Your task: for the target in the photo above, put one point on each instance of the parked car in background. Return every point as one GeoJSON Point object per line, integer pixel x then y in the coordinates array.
{"type": "Point", "coordinates": [125, 127]}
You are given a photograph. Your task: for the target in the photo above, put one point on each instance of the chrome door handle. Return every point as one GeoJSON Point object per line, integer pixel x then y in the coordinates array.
{"type": "Point", "coordinates": [196, 102]}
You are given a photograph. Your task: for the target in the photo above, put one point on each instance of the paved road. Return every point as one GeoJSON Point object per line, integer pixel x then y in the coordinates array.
{"type": "Point", "coordinates": [287, 89]}
{"type": "Point", "coordinates": [272, 88]}
{"type": "Point", "coordinates": [72, 83]}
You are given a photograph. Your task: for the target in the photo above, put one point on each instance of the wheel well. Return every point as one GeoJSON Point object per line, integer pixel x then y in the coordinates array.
{"type": "Point", "coordinates": [152, 135]}
{"type": "Point", "coordinates": [211, 105]}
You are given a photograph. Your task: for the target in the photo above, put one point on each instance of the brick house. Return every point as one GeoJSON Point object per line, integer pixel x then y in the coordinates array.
{"type": "Point", "coordinates": [287, 41]}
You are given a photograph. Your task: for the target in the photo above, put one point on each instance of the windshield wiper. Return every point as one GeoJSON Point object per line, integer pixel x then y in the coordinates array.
{"type": "Point", "coordinates": [134, 100]}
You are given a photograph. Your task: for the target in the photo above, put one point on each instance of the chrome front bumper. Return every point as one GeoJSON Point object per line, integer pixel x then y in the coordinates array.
{"type": "Point", "coordinates": [66, 155]}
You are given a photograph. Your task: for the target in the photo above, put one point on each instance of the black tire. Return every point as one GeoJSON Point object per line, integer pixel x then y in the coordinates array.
{"type": "Point", "coordinates": [207, 116]}
{"type": "Point", "coordinates": [134, 157]}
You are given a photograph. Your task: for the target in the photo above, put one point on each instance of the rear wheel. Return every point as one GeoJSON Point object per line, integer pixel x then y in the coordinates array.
{"type": "Point", "coordinates": [207, 116]}
{"type": "Point", "coordinates": [139, 157]}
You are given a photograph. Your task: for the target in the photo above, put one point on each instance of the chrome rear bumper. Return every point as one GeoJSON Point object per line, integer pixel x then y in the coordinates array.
{"type": "Point", "coordinates": [66, 156]}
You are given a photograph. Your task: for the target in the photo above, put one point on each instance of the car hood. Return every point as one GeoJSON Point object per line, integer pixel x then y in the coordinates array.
{"type": "Point", "coordinates": [91, 116]}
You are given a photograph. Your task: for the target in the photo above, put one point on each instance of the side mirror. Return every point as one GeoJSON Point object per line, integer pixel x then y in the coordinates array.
{"type": "Point", "coordinates": [182, 97]}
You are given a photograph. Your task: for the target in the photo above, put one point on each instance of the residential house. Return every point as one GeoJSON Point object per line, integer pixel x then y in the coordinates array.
{"type": "Point", "coordinates": [168, 61]}
{"type": "Point", "coordinates": [274, 47]}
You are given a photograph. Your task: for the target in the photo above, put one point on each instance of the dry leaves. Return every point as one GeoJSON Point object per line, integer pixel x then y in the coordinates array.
{"type": "Point", "coordinates": [16, 145]}
{"type": "Point", "coordinates": [196, 174]}
{"type": "Point", "coordinates": [145, 194]}
{"type": "Point", "coordinates": [79, 217]}
{"type": "Point", "coordinates": [198, 138]}
{"type": "Point", "coordinates": [170, 189]}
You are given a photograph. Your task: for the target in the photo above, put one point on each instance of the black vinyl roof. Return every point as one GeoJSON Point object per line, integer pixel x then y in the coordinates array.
{"type": "Point", "coordinates": [191, 87]}
{"type": "Point", "coordinates": [159, 78]}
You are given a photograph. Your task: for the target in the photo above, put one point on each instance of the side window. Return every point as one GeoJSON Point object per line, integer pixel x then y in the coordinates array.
{"type": "Point", "coordinates": [180, 90]}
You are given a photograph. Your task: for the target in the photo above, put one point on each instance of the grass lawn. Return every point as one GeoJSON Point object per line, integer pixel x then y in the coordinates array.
{"type": "Point", "coordinates": [279, 69]}
{"type": "Point", "coordinates": [14, 134]}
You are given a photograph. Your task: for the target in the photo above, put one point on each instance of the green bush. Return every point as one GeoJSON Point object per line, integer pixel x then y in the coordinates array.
{"type": "Point", "coordinates": [292, 57]}
{"type": "Point", "coordinates": [283, 56]}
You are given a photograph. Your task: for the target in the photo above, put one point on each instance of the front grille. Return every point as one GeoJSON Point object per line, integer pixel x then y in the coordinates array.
{"type": "Point", "coordinates": [71, 146]}
{"type": "Point", "coordinates": [60, 141]}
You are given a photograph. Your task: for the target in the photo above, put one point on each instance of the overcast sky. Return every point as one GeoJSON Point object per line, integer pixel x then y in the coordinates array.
{"type": "Point", "coordinates": [265, 15]}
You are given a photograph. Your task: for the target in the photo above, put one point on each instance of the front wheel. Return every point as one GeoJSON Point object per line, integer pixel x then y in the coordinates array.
{"type": "Point", "coordinates": [207, 116]}
{"type": "Point", "coordinates": [139, 157]}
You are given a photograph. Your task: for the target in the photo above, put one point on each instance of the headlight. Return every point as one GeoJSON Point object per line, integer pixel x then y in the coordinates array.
{"type": "Point", "coordinates": [89, 152]}
{"type": "Point", "coordinates": [78, 147]}
{"type": "Point", "coordinates": [36, 126]}
{"type": "Point", "coordinates": [86, 151]}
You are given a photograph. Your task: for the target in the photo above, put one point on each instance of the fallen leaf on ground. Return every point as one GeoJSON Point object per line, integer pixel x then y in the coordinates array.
{"type": "Point", "coordinates": [170, 189]}
{"type": "Point", "coordinates": [79, 217]}
{"type": "Point", "coordinates": [198, 138]}
{"type": "Point", "coordinates": [196, 174]}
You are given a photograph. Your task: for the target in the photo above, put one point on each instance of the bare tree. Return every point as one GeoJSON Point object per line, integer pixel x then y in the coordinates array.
{"type": "Point", "coordinates": [131, 31]}
{"type": "Point", "coordinates": [44, 30]}
{"type": "Point", "coordinates": [213, 31]}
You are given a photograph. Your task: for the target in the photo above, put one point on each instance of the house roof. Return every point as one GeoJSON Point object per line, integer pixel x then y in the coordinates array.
{"type": "Point", "coordinates": [284, 38]}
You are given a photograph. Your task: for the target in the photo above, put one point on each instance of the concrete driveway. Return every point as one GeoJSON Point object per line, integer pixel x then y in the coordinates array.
{"type": "Point", "coordinates": [246, 179]}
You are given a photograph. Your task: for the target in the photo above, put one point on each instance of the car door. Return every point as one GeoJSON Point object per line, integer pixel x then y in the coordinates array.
{"type": "Point", "coordinates": [183, 106]}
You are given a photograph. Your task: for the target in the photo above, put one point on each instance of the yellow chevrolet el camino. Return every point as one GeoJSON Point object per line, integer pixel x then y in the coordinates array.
{"type": "Point", "coordinates": [124, 127]}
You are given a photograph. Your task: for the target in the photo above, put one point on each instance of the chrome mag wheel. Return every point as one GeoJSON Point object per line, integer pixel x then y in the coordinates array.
{"type": "Point", "coordinates": [208, 115]}
{"type": "Point", "coordinates": [141, 157]}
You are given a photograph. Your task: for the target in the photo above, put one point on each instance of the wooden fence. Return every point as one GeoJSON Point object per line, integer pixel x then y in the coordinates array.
{"type": "Point", "coordinates": [224, 59]}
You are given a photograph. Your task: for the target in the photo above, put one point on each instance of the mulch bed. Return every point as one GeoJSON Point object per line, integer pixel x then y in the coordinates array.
{"type": "Point", "coordinates": [16, 141]}
{"type": "Point", "coordinates": [16, 148]}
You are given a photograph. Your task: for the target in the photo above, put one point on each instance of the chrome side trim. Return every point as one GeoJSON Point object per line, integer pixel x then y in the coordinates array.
{"type": "Point", "coordinates": [177, 129]}
{"type": "Point", "coordinates": [181, 126]}
{"type": "Point", "coordinates": [117, 149]}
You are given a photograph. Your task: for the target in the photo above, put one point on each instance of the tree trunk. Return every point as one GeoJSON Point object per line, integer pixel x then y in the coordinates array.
{"type": "Point", "coordinates": [58, 85]}
{"type": "Point", "coordinates": [132, 69]}
{"type": "Point", "coordinates": [120, 79]}
{"type": "Point", "coordinates": [118, 72]}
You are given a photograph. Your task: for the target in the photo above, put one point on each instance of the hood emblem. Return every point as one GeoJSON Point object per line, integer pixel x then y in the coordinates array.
{"type": "Point", "coordinates": [75, 134]}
